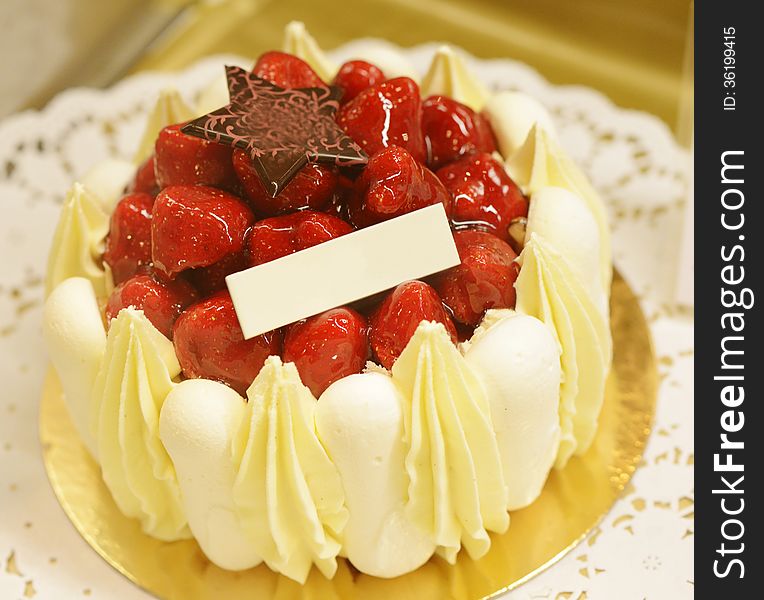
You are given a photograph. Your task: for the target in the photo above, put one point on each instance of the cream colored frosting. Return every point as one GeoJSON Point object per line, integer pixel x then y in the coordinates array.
{"type": "Point", "coordinates": [76, 340]}
{"type": "Point", "coordinates": [491, 317]}
{"type": "Point", "coordinates": [299, 42]}
{"type": "Point", "coordinates": [550, 290]}
{"type": "Point", "coordinates": [392, 62]}
{"type": "Point", "coordinates": [287, 492]}
{"type": "Point", "coordinates": [518, 361]}
{"type": "Point", "coordinates": [456, 490]}
{"type": "Point", "coordinates": [198, 426]}
{"type": "Point", "coordinates": [541, 162]}
{"type": "Point", "coordinates": [359, 420]}
{"type": "Point", "coordinates": [448, 75]}
{"type": "Point", "coordinates": [559, 215]}
{"type": "Point", "coordinates": [512, 116]}
{"type": "Point", "coordinates": [212, 97]}
{"type": "Point", "coordinates": [78, 241]}
{"type": "Point", "coordinates": [135, 378]}
{"type": "Point", "coordinates": [108, 180]}
{"type": "Point", "coordinates": [168, 110]}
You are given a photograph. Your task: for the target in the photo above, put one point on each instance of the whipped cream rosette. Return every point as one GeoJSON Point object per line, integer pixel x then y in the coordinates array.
{"type": "Point", "coordinates": [78, 241]}
{"type": "Point", "coordinates": [287, 489]}
{"type": "Point", "coordinates": [541, 162]}
{"type": "Point", "coordinates": [298, 42]}
{"type": "Point", "coordinates": [456, 484]}
{"type": "Point", "coordinates": [76, 341]}
{"type": "Point", "coordinates": [198, 426]}
{"type": "Point", "coordinates": [424, 451]}
{"type": "Point", "coordinates": [136, 375]}
{"type": "Point", "coordinates": [170, 108]}
{"type": "Point", "coordinates": [449, 76]}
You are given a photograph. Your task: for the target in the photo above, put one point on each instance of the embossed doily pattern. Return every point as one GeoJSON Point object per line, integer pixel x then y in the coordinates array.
{"type": "Point", "coordinates": [643, 549]}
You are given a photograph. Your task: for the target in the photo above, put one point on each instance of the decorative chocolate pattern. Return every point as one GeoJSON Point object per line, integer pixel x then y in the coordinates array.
{"type": "Point", "coordinates": [281, 129]}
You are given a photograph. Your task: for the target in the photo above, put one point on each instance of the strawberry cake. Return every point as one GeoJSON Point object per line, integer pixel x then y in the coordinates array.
{"type": "Point", "coordinates": [407, 424]}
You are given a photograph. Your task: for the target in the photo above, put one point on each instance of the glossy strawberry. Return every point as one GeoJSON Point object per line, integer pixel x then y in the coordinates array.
{"type": "Point", "coordinates": [393, 184]}
{"type": "Point", "coordinates": [145, 180]}
{"type": "Point", "coordinates": [278, 236]}
{"type": "Point", "coordinates": [327, 347]}
{"type": "Point", "coordinates": [397, 318]}
{"type": "Point", "coordinates": [484, 195]}
{"type": "Point", "coordinates": [338, 204]}
{"type": "Point", "coordinates": [209, 344]}
{"type": "Point", "coordinates": [286, 70]}
{"type": "Point", "coordinates": [485, 278]}
{"type": "Point", "coordinates": [183, 159]}
{"type": "Point", "coordinates": [211, 279]}
{"type": "Point", "coordinates": [128, 246]}
{"type": "Point", "coordinates": [196, 226]}
{"type": "Point", "coordinates": [452, 130]}
{"type": "Point", "coordinates": [312, 187]}
{"type": "Point", "coordinates": [355, 76]}
{"type": "Point", "coordinates": [387, 114]}
{"type": "Point", "coordinates": [161, 302]}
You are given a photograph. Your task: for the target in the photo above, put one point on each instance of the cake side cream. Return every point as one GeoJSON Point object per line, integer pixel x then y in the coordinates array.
{"type": "Point", "coordinates": [559, 309]}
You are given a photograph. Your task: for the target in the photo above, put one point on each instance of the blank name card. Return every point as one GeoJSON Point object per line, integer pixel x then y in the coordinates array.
{"type": "Point", "coordinates": [343, 270]}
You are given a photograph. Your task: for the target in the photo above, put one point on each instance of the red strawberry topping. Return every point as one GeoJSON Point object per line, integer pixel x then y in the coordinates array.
{"type": "Point", "coordinates": [485, 278]}
{"type": "Point", "coordinates": [211, 279]}
{"type": "Point", "coordinates": [393, 184]}
{"type": "Point", "coordinates": [181, 230]}
{"type": "Point", "coordinates": [452, 130]}
{"type": "Point", "coordinates": [312, 187]}
{"type": "Point", "coordinates": [338, 205]}
{"type": "Point", "coordinates": [278, 236]}
{"type": "Point", "coordinates": [484, 194]}
{"type": "Point", "coordinates": [327, 347]}
{"type": "Point", "coordinates": [183, 159]}
{"type": "Point", "coordinates": [128, 246]}
{"type": "Point", "coordinates": [355, 76]}
{"type": "Point", "coordinates": [397, 318]}
{"type": "Point", "coordinates": [387, 114]}
{"type": "Point", "coordinates": [145, 179]}
{"type": "Point", "coordinates": [196, 226]}
{"type": "Point", "coordinates": [209, 344]}
{"type": "Point", "coordinates": [161, 302]}
{"type": "Point", "coordinates": [286, 71]}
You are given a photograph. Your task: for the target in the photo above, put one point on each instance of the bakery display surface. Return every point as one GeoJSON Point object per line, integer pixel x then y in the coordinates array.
{"type": "Point", "coordinates": [614, 455]}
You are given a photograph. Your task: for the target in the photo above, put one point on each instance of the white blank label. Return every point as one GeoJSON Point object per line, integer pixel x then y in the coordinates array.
{"type": "Point", "coordinates": [342, 270]}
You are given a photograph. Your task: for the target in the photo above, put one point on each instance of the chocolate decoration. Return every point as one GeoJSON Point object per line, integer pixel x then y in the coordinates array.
{"type": "Point", "coordinates": [281, 129]}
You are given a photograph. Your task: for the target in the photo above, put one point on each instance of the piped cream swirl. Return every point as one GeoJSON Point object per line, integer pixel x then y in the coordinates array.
{"type": "Point", "coordinates": [541, 162]}
{"type": "Point", "coordinates": [300, 43]}
{"type": "Point", "coordinates": [518, 361]}
{"type": "Point", "coordinates": [287, 491]}
{"type": "Point", "coordinates": [448, 75]}
{"type": "Point", "coordinates": [78, 241]}
{"type": "Point", "coordinates": [168, 110]}
{"type": "Point", "coordinates": [136, 375]}
{"type": "Point", "coordinates": [550, 290]}
{"type": "Point", "coordinates": [75, 337]}
{"type": "Point", "coordinates": [456, 484]}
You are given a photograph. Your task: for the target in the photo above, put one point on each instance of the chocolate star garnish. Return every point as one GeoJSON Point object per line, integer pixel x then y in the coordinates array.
{"type": "Point", "coordinates": [281, 129]}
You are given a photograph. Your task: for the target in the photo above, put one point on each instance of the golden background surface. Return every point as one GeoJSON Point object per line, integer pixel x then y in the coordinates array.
{"type": "Point", "coordinates": [573, 501]}
{"type": "Point", "coordinates": [638, 52]}
{"type": "Point", "coordinates": [635, 51]}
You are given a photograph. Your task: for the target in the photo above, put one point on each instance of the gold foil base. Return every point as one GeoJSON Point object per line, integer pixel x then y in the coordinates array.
{"type": "Point", "coordinates": [573, 501]}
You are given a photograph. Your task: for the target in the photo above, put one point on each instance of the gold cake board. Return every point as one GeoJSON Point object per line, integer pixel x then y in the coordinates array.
{"type": "Point", "coordinates": [573, 501]}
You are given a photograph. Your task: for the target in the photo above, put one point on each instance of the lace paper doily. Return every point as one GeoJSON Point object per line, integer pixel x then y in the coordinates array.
{"type": "Point", "coordinates": [643, 549]}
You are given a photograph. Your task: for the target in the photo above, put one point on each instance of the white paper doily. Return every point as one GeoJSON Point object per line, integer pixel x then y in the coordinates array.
{"type": "Point", "coordinates": [643, 549]}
